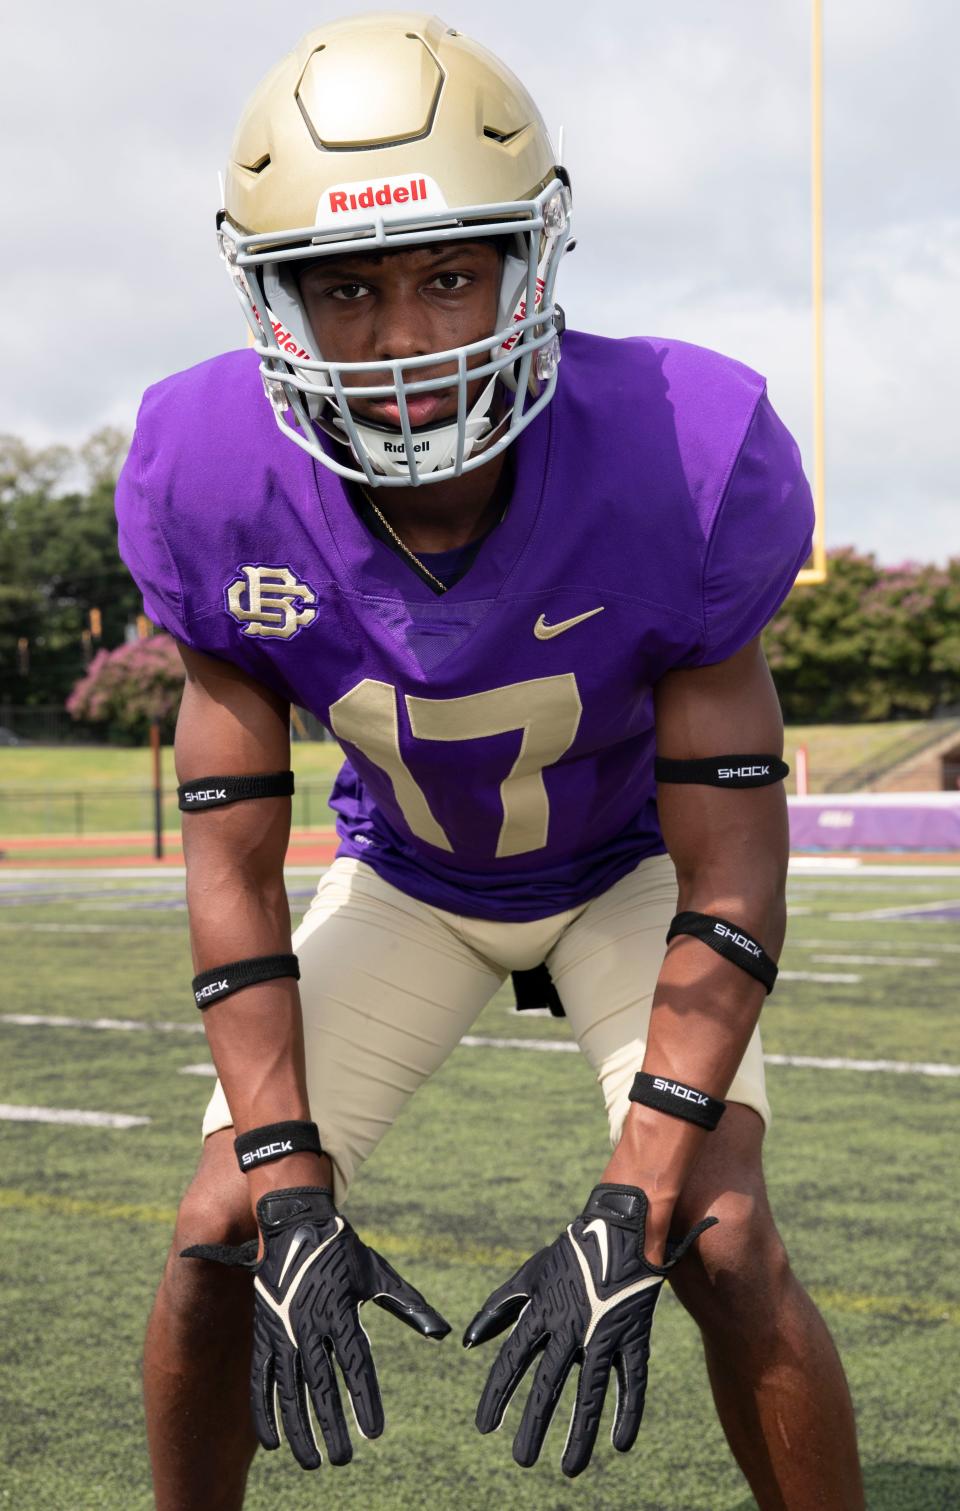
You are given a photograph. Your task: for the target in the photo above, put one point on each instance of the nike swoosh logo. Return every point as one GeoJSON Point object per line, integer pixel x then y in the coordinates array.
{"type": "Point", "coordinates": [599, 1231]}
{"type": "Point", "coordinates": [545, 631]}
{"type": "Point", "coordinates": [599, 1309]}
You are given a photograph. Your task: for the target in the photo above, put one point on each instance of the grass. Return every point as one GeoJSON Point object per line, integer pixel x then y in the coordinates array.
{"type": "Point", "coordinates": [491, 1159]}
{"type": "Point", "coordinates": [836, 748]}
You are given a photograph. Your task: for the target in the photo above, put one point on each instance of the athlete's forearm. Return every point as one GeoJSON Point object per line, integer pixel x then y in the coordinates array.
{"type": "Point", "coordinates": [704, 1012]}
{"type": "Point", "coordinates": [730, 849]}
{"type": "Point", "coordinates": [238, 910]}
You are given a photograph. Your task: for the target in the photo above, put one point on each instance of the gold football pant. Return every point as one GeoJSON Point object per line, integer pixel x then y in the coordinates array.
{"type": "Point", "coordinates": [390, 985]}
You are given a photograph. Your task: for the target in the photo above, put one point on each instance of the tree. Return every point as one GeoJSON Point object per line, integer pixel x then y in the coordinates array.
{"type": "Point", "coordinates": [58, 560]}
{"type": "Point", "coordinates": [127, 689]}
{"type": "Point", "coordinates": [870, 643]}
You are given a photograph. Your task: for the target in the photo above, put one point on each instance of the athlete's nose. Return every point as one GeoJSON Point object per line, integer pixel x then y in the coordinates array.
{"type": "Point", "coordinates": [400, 330]}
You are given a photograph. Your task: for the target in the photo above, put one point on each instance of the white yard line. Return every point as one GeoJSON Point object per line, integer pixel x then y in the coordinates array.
{"type": "Point", "coordinates": [72, 1115]}
{"type": "Point", "coordinates": [836, 978]}
{"type": "Point", "coordinates": [897, 1067]}
{"type": "Point", "coordinates": [800, 1062]}
{"type": "Point", "coordinates": [805, 1062]}
{"type": "Point", "coordinates": [470, 1041]}
{"type": "Point", "coordinates": [91, 928]}
{"type": "Point", "coordinates": [92, 873]}
{"type": "Point", "coordinates": [857, 944]}
{"type": "Point", "coordinates": [825, 866]}
{"type": "Point", "coordinates": [921, 962]}
{"type": "Point", "coordinates": [126, 1025]}
{"type": "Point", "coordinates": [841, 868]}
{"type": "Point", "coordinates": [895, 913]}
{"type": "Point", "coordinates": [473, 1041]}
{"type": "Point", "coordinates": [164, 872]}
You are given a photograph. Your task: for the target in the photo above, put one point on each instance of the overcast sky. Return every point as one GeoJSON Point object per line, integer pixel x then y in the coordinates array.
{"type": "Point", "coordinates": [686, 132]}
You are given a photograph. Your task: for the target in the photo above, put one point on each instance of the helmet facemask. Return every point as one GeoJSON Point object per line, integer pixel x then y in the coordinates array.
{"type": "Point", "coordinates": [311, 394]}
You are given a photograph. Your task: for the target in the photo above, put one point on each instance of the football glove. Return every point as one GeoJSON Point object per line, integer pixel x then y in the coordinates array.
{"type": "Point", "coordinates": [588, 1299]}
{"type": "Point", "coordinates": [314, 1276]}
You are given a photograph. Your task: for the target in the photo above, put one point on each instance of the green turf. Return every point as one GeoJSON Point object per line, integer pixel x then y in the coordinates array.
{"type": "Point", "coordinates": [494, 1156]}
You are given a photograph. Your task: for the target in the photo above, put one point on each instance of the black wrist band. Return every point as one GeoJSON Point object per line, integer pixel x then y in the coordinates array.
{"type": "Point", "coordinates": [260, 1146]}
{"type": "Point", "coordinates": [219, 791]}
{"type": "Point", "coordinates": [723, 771]}
{"type": "Point", "coordinates": [210, 986]}
{"type": "Point", "coordinates": [733, 943]}
{"type": "Point", "coordinates": [678, 1100]}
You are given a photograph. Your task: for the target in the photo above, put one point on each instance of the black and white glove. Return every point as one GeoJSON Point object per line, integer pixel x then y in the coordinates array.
{"type": "Point", "coordinates": [314, 1276]}
{"type": "Point", "coordinates": [588, 1299]}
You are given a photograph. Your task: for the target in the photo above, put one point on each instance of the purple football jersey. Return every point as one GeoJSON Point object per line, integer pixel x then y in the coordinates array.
{"type": "Point", "coordinates": [500, 737]}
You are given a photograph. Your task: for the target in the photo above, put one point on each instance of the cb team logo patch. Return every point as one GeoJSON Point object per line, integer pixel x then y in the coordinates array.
{"type": "Point", "coordinates": [270, 601]}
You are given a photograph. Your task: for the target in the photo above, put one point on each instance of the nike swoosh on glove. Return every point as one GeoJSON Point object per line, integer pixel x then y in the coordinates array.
{"type": "Point", "coordinates": [588, 1299]}
{"type": "Point", "coordinates": [314, 1276]}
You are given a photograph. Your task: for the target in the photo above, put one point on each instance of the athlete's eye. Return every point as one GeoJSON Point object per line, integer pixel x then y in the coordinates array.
{"type": "Point", "coordinates": [349, 292]}
{"type": "Point", "coordinates": [451, 282]}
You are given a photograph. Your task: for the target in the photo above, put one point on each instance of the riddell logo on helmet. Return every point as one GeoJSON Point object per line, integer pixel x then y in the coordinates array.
{"type": "Point", "coordinates": [285, 340]}
{"type": "Point", "coordinates": [387, 198]}
{"type": "Point", "coordinates": [520, 313]}
{"type": "Point", "coordinates": [386, 194]}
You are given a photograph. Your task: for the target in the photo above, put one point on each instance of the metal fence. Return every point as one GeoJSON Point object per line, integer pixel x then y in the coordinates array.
{"type": "Point", "coordinates": [124, 810]}
{"type": "Point", "coordinates": [42, 724]}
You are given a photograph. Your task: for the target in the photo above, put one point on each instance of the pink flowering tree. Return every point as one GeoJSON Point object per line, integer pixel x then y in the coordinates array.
{"type": "Point", "coordinates": [128, 688]}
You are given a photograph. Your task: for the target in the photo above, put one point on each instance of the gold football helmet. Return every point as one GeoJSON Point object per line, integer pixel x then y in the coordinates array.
{"type": "Point", "coordinates": [385, 131]}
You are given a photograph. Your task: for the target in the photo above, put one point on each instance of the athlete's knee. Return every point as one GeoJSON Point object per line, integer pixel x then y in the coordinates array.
{"type": "Point", "coordinates": [736, 1276]}
{"type": "Point", "coordinates": [214, 1209]}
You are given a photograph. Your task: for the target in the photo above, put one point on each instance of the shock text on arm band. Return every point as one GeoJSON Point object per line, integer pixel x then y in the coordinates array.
{"type": "Point", "coordinates": [211, 986]}
{"type": "Point", "coordinates": [733, 943]}
{"type": "Point", "coordinates": [260, 1146]}
{"type": "Point", "coordinates": [219, 791]}
{"type": "Point", "coordinates": [679, 1100]}
{"type": "Point", "coordinates": [723, 771]}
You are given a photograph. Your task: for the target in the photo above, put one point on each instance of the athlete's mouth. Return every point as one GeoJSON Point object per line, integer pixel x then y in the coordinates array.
{"type": "Point", "coordinates": [421, 408]}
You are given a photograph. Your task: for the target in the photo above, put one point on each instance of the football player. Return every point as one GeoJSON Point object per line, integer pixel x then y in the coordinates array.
{"type": "Point", "coordinates": [520, 573]}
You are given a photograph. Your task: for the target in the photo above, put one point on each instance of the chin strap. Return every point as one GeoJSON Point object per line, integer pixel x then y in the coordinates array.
{"type": "Point", "coordinates": [434, 446]}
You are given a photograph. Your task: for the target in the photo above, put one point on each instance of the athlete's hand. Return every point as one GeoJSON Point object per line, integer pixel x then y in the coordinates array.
{"type": "Point", "coordinates": [589, 1299]}
{"type": "Point", "coordinates": [314, 1275]}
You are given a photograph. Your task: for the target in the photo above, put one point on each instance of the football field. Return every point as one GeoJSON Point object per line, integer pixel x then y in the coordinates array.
{"type": "Point", "coordinates": [104, 1079]}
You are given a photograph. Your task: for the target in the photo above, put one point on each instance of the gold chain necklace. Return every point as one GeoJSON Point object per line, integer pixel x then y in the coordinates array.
{"type": "Point", "coordinates": [402, 544]}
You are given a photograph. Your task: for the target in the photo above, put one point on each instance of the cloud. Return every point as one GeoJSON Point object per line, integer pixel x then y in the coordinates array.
{"type": "Point", "coordinates": [687, 134]}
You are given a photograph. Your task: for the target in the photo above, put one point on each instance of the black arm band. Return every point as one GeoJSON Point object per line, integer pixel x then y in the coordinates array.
{"type": "Point", "coordinates": [210, 986]}
{"type": "Point", "coordinates": [723, 771]}
{"type": "Point", "coordinates": [219, 791]}
{"type": "Point", "coordinates": [679, 1100]}
{"type": "Point", "coordinates": [259, 1146]}
{"type": "Point", "coordinates": [729, 941]}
